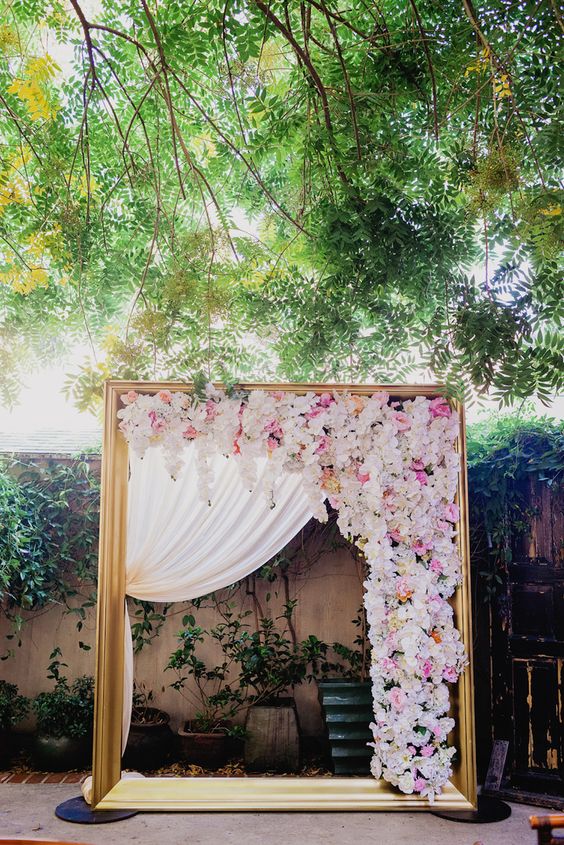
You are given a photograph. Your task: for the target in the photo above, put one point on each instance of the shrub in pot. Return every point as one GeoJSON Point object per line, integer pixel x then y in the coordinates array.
{"type": "Point", "coordinates": [13, 708]}
{"type": "Point", "coordinates": [214, 692]}
{"type": "Point", "coordinates": [149, 744]}
{"type": "Point", "coordinates": [271, 663]}
{"type": "Point", "coordinates": [65, 717]}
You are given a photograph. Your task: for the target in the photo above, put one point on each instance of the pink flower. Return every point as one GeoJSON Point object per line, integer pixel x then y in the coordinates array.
{"type": "Point", "coordinates": [426, 668]}
{"type": "Point", "coordinates": [402, 420]}
{"type": "Point", "coordinates": [278, 395]}
{"type": "Point", "coordinates": [274, 429]}
{"type": "Point", "coordinates": [382, 397]}
{"type": "Point", "coordinates": [325, 400]}
{"type": "Point", "coordinates": [363, 477]}
{"type": "Point", "coordinates": [421, 477]}
{"type": "Point", "coordinates": [211, 410]}
{"type": "Point", "coordinates": [421, 548]}
{"type": "Point", "coordinates": [157, 424]}
{"type": "Point", "coordinates": [417, 465]}
{"type": "Point", "coordinates": [165, 396]}
{"type": "Point", "coordinates": [130, 397]}
{"type": "Point", "coordinates": [436, 566]}
{"type": "Point", "coordinates": [452, 512]}
{"type": "Point", "coordinates": [190, 433]}
{"type": "Point", "coordinates": [323, 444]}
{"type": "Point", "coordinates": [419, 784]}
{"type": "Point", "coordinates": [396, 536]}
{"type": "Point", "coordinates": [450, 674]}
{"type": "Point", "coordinates": [389, 664]}
{"type": "Point", "coordinates": [272, 443]}
{"type": "Point", "coordinates": [427, 751]}
{"type": "Point", "coordinates": [439, 407]}
{"type": "Point", "coordinates": [412, 750]}
{"type": "Point", "coordinates": [314, 412]}
{"type": "Point", "coordinates": [397, 697]}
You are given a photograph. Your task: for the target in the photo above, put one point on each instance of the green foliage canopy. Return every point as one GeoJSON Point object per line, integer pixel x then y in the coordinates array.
{"type": "Point", "coordinates": [288, 190]}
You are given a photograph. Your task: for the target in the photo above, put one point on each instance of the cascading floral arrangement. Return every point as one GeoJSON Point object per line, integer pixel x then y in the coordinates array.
{"type": "Point", "coordinates": [390, 469]}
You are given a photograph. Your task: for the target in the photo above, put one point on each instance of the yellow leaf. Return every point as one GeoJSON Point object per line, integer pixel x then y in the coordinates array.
{"type": "Point", "coordinates": [551, 211]}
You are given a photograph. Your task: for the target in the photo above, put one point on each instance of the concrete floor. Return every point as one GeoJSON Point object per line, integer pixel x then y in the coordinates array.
{"type": "Point", "coordinates": [26, 810]}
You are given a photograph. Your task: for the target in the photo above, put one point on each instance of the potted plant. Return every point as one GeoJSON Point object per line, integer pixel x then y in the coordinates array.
{"type": "Point", "coordinates": [13, 708]}
{"type": "Point", "coordinates": [65, 718]}
{"type": "Point", "coordinates": [214, 692]}
{"type": "Point", "coordinates": [149, 743]}
{"type": "Point", "coordinates": [270, 663]}
{"type": "Point", "coordinates": [346, 703]}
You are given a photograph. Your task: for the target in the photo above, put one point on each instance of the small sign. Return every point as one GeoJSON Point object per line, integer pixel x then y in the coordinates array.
{"type": "Point", "coordinates": [496, 766]}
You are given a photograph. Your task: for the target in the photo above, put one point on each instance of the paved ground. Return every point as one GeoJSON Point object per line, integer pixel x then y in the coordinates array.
{"type": "Point", "coordinates": [26, 810]}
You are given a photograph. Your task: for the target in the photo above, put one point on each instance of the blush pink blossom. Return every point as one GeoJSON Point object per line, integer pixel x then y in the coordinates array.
{"type": "Point", "coordinates": [363, 477]}
{"type": "Point", "coordinates": [452, 512]}
{"type": "Point", "coordinates": [436, 566]}
{"type": "Point", "coordinates": [211, 410]}
{"type": "Point", "coordinates": [450, 674]}
{"type": "Point", "coordinates": [157, 424]}
{"type": "Point", "coordinates": [402, 420]}
{"type": "Point", "coordinates": [421, 477]}
{"type": "Point", "coordinates": [439, 407]}
{"type": "Point", "coordinates": [130, 397]}
{"type": "Point", "coordinates": [395, 536]}
{"type": "Point", "coordinates": [274, 428]}
{"type": "Point", "coordinates": [426, 668]}
{"type": "Point", "coordinates": [314, 412]}
{"type": "Point", "coordinates": [165, 396]}
{"type": "Point", "coordinates": [325, 400]}
{"type": "Point", "coordinates": [420, 548]}
{"type": "Point", "coordinates": [382, 397]}
{"type": "Point", "coordinates": [397, 698]}
{"type": "Point", "coordinates": [427, 751]}
{"type": "Point", "coordinates": [323, 444]}
{"type": "Point", "coordinates": [417, 465]}
{"type": "Point", "coordinates": [412, 750]}
{"type": "Point", "coordinates": [419, 784]}
{"type": "Point", "coordinates": [272, 443]}
{"type": "Point", "coordinates": [190, 433]}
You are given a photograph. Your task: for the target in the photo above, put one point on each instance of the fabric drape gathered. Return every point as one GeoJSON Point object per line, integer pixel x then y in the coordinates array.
{"type": "Point", "coordinates": [180, 547]}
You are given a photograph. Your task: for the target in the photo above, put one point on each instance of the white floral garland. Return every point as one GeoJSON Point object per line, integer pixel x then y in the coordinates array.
{"type": "Point", "coordinates": [390, 469]}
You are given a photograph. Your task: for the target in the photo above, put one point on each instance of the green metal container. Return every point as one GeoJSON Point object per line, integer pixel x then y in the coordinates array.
{"type": "Point", "coordinates": [348, 710]}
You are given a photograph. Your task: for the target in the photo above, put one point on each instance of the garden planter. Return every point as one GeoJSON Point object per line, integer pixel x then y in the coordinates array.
{"type": "Point", "coordinates": [150, 741]}
{"type": "Point", "coordinates": [209, 750]}
{"type": "Point", "coordinates": [61, 753]}
{"type": "Point", "coordinates": [348, 710]}
{"type": "Point", "coordinates": [272, 742]}
{"type": "Point", "coordinates": [6, 748]}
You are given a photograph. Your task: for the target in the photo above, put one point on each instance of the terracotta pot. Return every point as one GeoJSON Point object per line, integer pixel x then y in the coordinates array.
{"type": "Point", "coordinates": [149, 744]}
{"type": "Point", "coordinates": [61, 753]}
{"type": "Point", "coordinates": [208, 750]}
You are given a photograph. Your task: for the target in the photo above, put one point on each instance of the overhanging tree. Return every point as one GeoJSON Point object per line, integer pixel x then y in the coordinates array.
{"type": "Point", "coordinates": [376, 153]}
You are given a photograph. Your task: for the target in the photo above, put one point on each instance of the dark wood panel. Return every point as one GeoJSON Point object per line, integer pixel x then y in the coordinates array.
{"type": "Point", "coordinates": [537, 725]}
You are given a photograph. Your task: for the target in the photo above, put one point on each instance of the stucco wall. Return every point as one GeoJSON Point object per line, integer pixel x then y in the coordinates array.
{"type": "Point", "coordinates": [329, 594]}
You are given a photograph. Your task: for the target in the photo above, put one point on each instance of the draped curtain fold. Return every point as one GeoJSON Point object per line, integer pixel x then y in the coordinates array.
{"type": "Point", "coordinates": [180, 547]}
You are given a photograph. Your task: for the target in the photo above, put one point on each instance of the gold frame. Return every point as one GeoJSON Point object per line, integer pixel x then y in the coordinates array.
{"type": "Point", "coordinates": [283, 793]}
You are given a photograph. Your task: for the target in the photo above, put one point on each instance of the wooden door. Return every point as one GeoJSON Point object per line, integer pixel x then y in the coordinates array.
{"type": "Point", "coordinates": [528, 651]}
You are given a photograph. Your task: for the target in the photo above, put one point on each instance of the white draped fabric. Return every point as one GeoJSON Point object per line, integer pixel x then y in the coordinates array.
{"type": "Point", "coordinates": [180, 547]}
